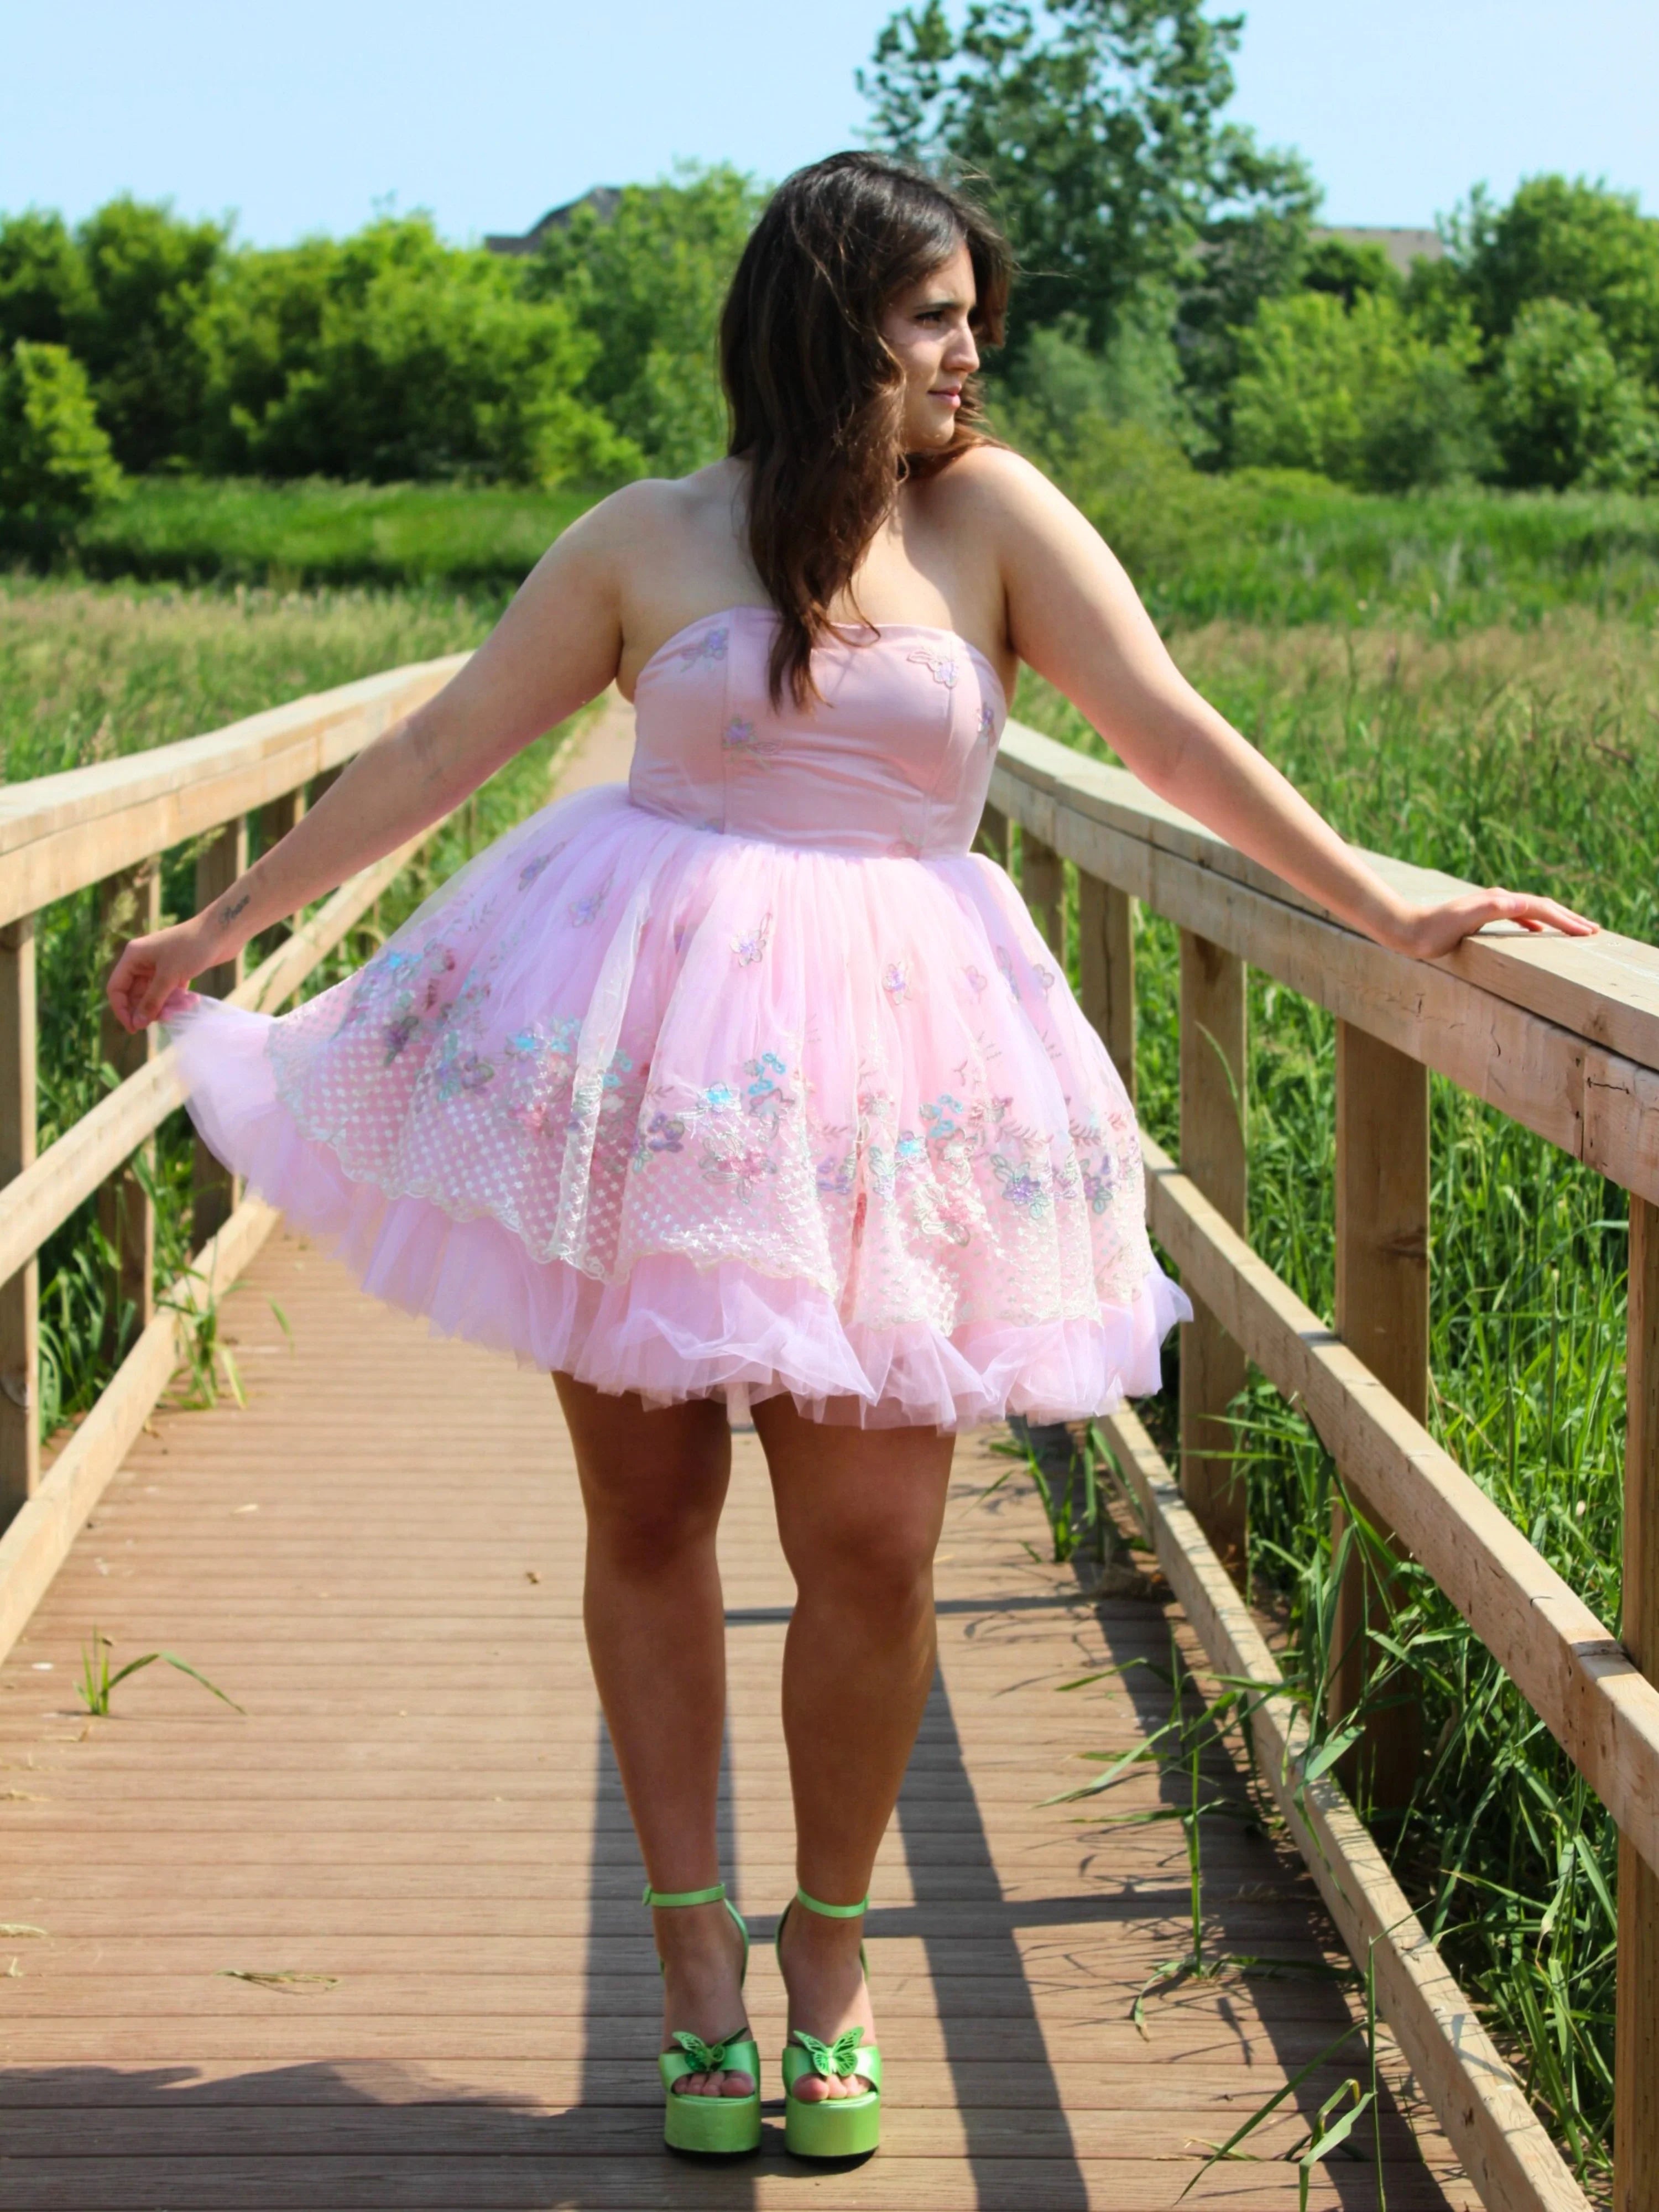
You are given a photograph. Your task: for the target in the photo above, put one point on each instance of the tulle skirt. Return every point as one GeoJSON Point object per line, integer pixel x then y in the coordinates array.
{"type": "Point", "coordinates": [685, 1113]}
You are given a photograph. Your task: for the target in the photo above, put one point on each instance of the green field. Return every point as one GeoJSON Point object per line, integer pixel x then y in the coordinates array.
{"type": "Point", "coordinates": [1469, 679]}
{"type": "Point", "coordinates": [1269, 546]}
{"type": "Point", "coordinates": [237, 529]}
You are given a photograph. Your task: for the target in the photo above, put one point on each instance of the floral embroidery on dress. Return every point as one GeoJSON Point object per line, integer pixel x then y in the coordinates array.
{"type": "Point", "coordinates": [711, 646]}
{"type": "Point", "coordinates": [835, 1176]}
{"type": "Point", "coordinates": [582, 911]}
{"type": "Point", "coordinates": [533, 868]}
{"type": "Point", "coordinates": [767, 1096]}
{"type": "Point", "coordinates": [987, 724]}
{"type": "Point", "coordinates": [976, 980]}
{"type": "Point", "coordinates": [740, 736]}
{"type": "Point", "coordinates": [941, 667]}
{"type": "Point", "coordinates": [751, 946]}
{"type": "Point", "coordinates": [896, 981]}
{"type": "Point", "coordinates": [663, 1133]}
{"type": "Point", "coordinates": [464, 1071]}
{"type": "Point", "coordinates": [1021, 1186]}
{"type": "Point", "coordinates": [1044, 978]}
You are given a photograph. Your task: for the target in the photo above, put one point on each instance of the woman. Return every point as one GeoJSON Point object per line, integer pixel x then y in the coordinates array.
{"type": "Point", "coordinates": [745, 1087]}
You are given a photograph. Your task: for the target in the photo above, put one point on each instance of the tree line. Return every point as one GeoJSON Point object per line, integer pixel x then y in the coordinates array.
{"type": "Point", "coordinates": [1173, 282]}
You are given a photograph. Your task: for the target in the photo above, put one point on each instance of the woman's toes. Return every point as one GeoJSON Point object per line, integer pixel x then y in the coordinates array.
{"type": "Point", "coordinates": [736, 2085]}
{"type": "Point", "coordinates": [811, 2089]}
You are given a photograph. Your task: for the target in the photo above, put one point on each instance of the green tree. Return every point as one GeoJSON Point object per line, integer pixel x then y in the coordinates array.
{"type": "Point", "coordinates": [1565, 411]}
{"type": "Point", "coordinates": [138, 329]}
{"type": "Point", "coordinates": [1355, 393]}
{"type": "Point", "coordinates": [1571, 242]}
{"type": "Point", "coordinates": [55, 464]}
{"type": "Point", "coordinates": [402, 357]}
{"type": "Point", "coordinates": [45, 292]}
{"type": "Point", "coordinates": [1338, 265]}
{"type": "Point", "coordinates": [1093, 128]}
{"type": "Point", "coordinates": [263, 325]}
{"type": "Point", "coordinates": [647, 282]}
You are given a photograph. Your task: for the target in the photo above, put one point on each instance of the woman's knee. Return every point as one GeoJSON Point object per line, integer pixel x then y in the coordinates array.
{"type": "Point", "coordinates": [880, 1561]}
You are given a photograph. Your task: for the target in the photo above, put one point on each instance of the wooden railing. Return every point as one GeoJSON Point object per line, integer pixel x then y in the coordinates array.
{"type": "Point", "coordinates": [108, 825]}
{"type": "Point", "coordinates": [1562, 1035]}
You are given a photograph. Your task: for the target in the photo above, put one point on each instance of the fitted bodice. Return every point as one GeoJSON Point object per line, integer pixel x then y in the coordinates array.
{"type": "Point", "coordinates": [894, 757]}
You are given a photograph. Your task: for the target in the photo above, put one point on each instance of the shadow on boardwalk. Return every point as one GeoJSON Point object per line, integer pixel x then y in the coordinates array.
{"type": "Point", "coordinates": [421, 1821]}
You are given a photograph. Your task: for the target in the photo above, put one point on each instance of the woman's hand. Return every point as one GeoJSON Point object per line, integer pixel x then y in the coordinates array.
{"type": "Point", "coordinates": [1427, 932]}
{"type": "Point", "coordinates": [151, 969]}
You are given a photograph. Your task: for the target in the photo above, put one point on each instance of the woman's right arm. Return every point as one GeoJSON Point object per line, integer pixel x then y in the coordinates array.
{"type": "Point", "coordinates": [554, 648]}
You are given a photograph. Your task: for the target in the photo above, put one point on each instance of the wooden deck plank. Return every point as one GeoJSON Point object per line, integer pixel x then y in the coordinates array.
{"type": "Point", "coordinates": [419, 1803]}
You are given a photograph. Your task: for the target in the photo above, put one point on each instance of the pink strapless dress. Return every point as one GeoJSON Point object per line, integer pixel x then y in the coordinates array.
{"type": "Point", "coordinates": [747, 1078]}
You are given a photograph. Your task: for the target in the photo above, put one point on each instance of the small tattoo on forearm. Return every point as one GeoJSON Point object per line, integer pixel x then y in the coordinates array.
{"type": "Point", "coordinates": [227, 914]}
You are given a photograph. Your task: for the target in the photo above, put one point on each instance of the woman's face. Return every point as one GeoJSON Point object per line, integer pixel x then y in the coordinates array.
{"type": "Point", "coordinates": [926, 327]}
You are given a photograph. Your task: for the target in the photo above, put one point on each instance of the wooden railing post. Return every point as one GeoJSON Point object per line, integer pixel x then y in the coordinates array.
{"type": "Point", "coordinates": [20, 1299]}
{"type": "Point", "coordinates": [1213, 1153]}
{"type": "Point", "coordinates": [213, 1190]}
{"type": "Point", "coordinates": [1383, 1312]}
{"type": "Point", "coordinates": [1043, 884]}
{"type": "Point", "coordinates": [1636, 2051]}
{"type": "Point", "coordinates": [1106, 962]}
{"type": "Point", "coordinates": [129, 904]}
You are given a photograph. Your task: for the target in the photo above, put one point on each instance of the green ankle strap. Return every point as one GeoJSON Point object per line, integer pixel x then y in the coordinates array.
{"type": "Point", "coordinates": [830, 1911]}
{"type": "Point", "coordinates": [714, 1896]}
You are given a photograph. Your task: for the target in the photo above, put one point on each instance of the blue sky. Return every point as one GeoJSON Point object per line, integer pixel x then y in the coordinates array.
{"type": "Point", "coordinates": [301, 118]}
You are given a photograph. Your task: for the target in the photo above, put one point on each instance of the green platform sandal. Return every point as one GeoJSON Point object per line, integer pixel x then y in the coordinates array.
{"type": "Point", "coordinates": [714, 2127]}
{"type": "Point", "coordinates": [831, 2127]}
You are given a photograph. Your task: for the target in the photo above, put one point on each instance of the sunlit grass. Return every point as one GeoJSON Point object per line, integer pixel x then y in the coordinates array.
{"type": "Point", "coordinates": [1527, 757]}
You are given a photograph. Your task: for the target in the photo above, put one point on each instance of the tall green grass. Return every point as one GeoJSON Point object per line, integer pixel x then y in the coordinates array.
{"type": "Point", "coordinates": [86, 673]}
{"type": "Point", "coordinates": [236, 529]}
{"type": "Point", "coordinates": [1519, 756]}
{"type": "Point", "coordinates": [1261, 545]}
{"type": "Point", "coordinates": [1279, 546]}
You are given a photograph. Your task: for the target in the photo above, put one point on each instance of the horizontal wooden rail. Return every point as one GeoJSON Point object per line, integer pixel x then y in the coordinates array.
{"type": "Point", "coordinates": [45, 1194]}
{"type": "Point", "coordinates": [1504, 2147]}
{"type": "Point", "coordinates": [58, 834]}
{"type": "Point", "coordinates": [1604, 989]}
{"type": "Point", "coordinates": [1591, 1696]}
{"type": "Point", "coordinates": [1561, 1035]}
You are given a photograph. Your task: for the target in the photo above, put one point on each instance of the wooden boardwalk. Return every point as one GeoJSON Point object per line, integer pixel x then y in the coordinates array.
{"type": "Point", "coordinates": [418, 1820]}
{"type": "Point", "coordinates": [377, 1943]}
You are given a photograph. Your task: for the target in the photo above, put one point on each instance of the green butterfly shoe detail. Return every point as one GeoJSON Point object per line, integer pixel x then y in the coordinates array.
{"type": "Point", "coordinates": [830, 2127]}
{"type": "Point", "coordinates": [713, 2127]}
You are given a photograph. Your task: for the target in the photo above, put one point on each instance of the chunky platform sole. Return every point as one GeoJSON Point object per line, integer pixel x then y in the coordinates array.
{"type": "Point", "coordinates": [833, 2127]}
{"type": "Point", "coordinates": [712, 2127]}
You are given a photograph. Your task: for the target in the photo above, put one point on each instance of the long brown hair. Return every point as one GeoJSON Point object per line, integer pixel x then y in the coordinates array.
{"type": "Point", "coordinates": [817, 396]}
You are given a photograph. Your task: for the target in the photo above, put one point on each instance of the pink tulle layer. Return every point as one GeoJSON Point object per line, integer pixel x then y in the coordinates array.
{"type": "Point", "coordinates": [459, 1125]}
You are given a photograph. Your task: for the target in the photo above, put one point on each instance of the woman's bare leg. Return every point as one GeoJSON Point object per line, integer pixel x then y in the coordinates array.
{"type": "Point", "coordinates": [858, 1512]}
{"type": "Point", "coordinates": [653, 1484]}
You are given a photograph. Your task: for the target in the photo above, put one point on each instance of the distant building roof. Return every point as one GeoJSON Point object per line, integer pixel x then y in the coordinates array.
{"type": "Point", "coordinates": [1401, 246]}
{"type": "Point", "coordinates": [604, 199]}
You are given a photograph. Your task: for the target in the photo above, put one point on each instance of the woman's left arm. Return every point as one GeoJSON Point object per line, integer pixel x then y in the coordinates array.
{"type": "Point", "coordinates": [1074, 617]}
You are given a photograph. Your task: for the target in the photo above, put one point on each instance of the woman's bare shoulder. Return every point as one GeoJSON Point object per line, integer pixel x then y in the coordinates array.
{"type": "Point", "coordinates": [991, 485]}
{"type": "Point", "coordinates": [651, 509]}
